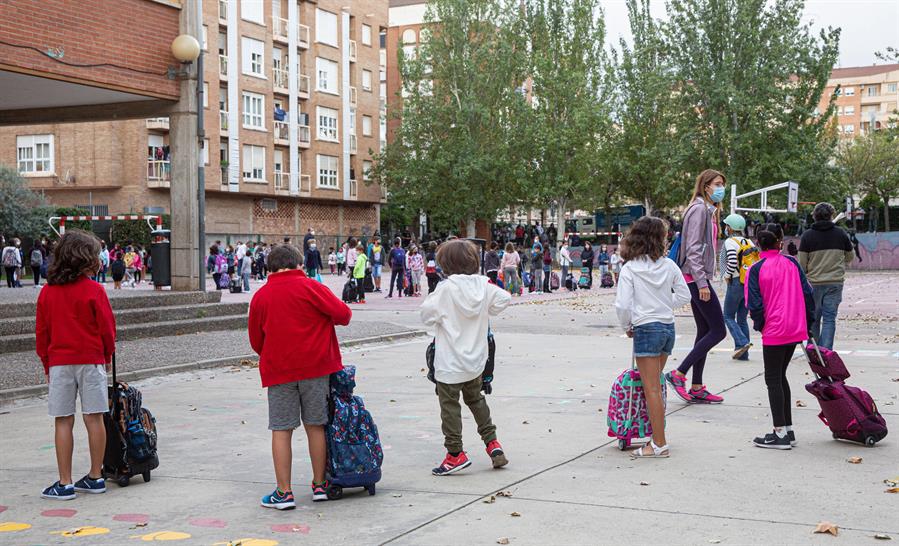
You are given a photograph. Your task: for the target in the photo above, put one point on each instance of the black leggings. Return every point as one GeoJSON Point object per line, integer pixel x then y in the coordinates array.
{"type": "Point", "coordinates": [433, 279]}
{"type": "Point", "coordinates": [397, 276]}
{"type": "Point", "coordinates": [709, 331]}
{"type": "Point", "coordinates": [777, 358]}
{"type": "Point", "coordinates": [10, 276]}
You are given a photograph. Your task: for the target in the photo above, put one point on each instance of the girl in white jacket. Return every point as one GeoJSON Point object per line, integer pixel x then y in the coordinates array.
{"type": "Point", "coordinates": [459, 311]}
{"type": "Point", "coordinates": [650, 287]}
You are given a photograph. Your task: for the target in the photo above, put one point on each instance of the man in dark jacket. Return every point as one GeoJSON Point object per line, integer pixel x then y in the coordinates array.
{"type": "Point", "coordinates": [824, 252]}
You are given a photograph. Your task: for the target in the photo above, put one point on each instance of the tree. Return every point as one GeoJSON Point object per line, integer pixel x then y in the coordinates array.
{"type": "Point", "coordinates": [460, 152]}
{"type": "Point", "coordinates": [568, 121]}
{"type": "Point", "coordinates": [871, 165]}
{"type": "Point", "coordinates": [23, 212]}
{"type": "Point", "coordinates": [750, 77]}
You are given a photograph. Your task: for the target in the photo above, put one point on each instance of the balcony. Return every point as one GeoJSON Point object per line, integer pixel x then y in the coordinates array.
{"type": "Point", "coordinates": [352, 51]}
{"type": "Point", "coordinates": [282, 182]}
{"type": "Point", "coordinates": [305, 184]}
{"type": "Point", "coordinates": [280, 78]}
{"type": "Point", "coordinates": [304, 136]}
{"type": "Point", "coordinates": [159, 173]}
{"type": "Point", "coordinates": [353, 144]}
{"type": "Point", "coordinates": [279, 29]}
{"type": "Point", "coordinates": [158, 123]}
{"type": "Point", "coordinates": [872, 99]}
{"type": "Point", "coordinates": [223, 12]}
{"type": "Point", "coordinates": [303, 37]}
{"type": "Point", "coordinates": [223, 121]}
{"type": "Point", "coordinates": [353, 96]}
{"type": "Point", "coordinates": [223, 65]}
{"type": "Point", "coordinates": [282, 133]}
{"type": "Point", "coordinates": [303, 91]}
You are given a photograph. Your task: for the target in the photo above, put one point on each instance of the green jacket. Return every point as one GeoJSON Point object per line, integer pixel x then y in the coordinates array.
{"type": "Point", "coordinates": [359, 268]}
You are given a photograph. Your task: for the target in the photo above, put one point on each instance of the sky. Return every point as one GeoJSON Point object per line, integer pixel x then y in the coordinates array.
{"type": "Point", "coordinates": [867, 25]}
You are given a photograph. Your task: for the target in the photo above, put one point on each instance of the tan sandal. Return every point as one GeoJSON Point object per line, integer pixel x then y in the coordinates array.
{"type": "Point", "coordinates": [657, 452]}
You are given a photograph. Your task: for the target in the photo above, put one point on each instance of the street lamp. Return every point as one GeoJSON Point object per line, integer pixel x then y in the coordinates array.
{"type": "Point", "coordinates": [186, 49]}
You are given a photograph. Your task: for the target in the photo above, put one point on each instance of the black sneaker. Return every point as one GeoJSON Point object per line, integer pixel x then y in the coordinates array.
{"type": "Point", "coordinates": [792, 437]}
{"type": "Point", "coordinates": [773, 441]}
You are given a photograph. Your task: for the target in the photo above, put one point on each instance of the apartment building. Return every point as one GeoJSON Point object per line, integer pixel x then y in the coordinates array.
{"type": "Point", "coordinates": [293, 116]}
{"type": "Point", "coordinates": [867, 99]}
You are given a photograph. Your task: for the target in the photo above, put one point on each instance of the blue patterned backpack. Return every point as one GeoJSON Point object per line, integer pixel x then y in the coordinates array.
{"type": "Point", "coordinates": [354, 449]}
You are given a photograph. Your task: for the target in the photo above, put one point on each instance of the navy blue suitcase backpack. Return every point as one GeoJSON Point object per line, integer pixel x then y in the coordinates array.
{"type": "Point", "coordinates": [354, 449]}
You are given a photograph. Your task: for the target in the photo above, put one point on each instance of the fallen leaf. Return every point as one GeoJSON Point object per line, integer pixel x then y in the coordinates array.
{"type": "Point", "coordinates": [892, 482]}
{"type": "Point", "coordinates": [644, 483]}
{"type": "Point", "coordinates": [192, 409]}
{"type": "Point", "coordinates": [502, 540]}
{"type": "Point", "coordinates": [506, 494]}
{"type": "Point", "coordinates": [136, 525]}
{"type": "Point", "coordinates": [515, 515]}
{"type": "Point", "coordinates": [491, 500]}
{"type": "Point", "coordinates": [800, 404]}
{"type": "Point", "coordinates": [422, 369]}
{"type": "Point", "coordinates": [827, 527]}
{"type": "Point", "coordinates": [525, 423]}
{"type": "Point", "coordinates": [599, 410]}
{"type": "Point", "coordinates": [881, 536]}
{"type": "Point", "coordinates": [892, 490]}
{"type": "Point", "coordinates": [397, 495]}
{"type": "Point", "coordinates": [243, 422]}
{"type": "Point", "coordinates": [714, 541]}
{"type": "Point", "coordinates": [854, 460]}
{"type": "Point", "coordinates": [392, 400]}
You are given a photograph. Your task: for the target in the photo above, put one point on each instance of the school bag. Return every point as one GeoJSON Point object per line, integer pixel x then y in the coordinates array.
{"type": "Point", "coordinates": [554, 281]}
{"type": "Point", "coordinates": [131, 434]}
{"type": "Point", "coordinates": [607, 281]}
{"type": "Point", "coordinates": [10, 257]}
{"type": "Point", "coordinates": [118, 270]}
{"type": "Point", "coordinates": [585, 281]}
{"type": "Point", "coordinates": [235, 287]}
{"type": "Point", "coordinates": [747, 256]}
{"type": "Point", "coordinates": [354, 448]}
{"type": "Point", "coordinates": [570, 283]}
{"type": "Point", "coordinates": [489, 366]}
{"type": "Point", "coordinates": [349, 292]}
{"type": "Point", "coordinates": [36, 258]}
{"type": "Point", "coordinates": [221, 264]}
{"type": "Point", "coordinates": [849, 412]}
{"type": "Point", "coordinates": [628, 416]}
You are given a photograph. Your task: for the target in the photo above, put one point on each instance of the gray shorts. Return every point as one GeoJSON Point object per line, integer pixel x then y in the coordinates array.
{"type": "Point", "coordinates": [298, 402]}
{"type": "Point", "coordinates": [70, 380]}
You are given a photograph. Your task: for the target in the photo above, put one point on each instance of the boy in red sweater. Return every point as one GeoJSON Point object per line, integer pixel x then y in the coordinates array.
{"type": "Point", "coordinates": [288, 310]}
{"type": "Point", "coordinates": [75, 333]}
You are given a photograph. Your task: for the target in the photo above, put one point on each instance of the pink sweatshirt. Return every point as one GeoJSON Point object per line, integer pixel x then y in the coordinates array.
{"type": "Point", "coordinates": [779, 298]}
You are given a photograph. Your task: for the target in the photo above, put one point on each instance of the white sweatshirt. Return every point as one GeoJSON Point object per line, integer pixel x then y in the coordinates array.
{"type": "Point", "coordinates": [649, 292]}
{"type": "Point", "coordinates": [459, 311]}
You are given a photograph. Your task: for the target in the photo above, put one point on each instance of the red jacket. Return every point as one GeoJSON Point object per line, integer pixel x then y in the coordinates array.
{"type": "Point", "coordinates": [75, 324]}
{"type": "Point", "coordinates": [292, 320]}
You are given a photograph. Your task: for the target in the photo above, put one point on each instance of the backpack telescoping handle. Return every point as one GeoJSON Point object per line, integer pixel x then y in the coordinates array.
{"type": "Point", "coordinates": [813, 343]}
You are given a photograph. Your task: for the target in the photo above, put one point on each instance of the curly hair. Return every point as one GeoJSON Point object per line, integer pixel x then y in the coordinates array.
{"type": "Point", "coordinates": [647, 237]}
{"type": "Point", "coordinates": [76, 254]}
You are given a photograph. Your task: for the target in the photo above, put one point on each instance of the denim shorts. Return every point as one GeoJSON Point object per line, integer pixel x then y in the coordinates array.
{"type": "Point", "coordinates": [376, 271]}
{"type": "Point", "coordinates": [653, 339]}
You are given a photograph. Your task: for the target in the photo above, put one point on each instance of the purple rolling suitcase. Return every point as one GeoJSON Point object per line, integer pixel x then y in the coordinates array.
{"type": "Point", "coordinates": [849, 412]}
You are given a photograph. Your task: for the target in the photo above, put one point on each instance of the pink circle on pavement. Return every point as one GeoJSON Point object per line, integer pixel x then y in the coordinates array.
{"type": "Point", "coordinates": [2, 508]}
{"type": "Point", "coordinates": [59, 513]}
{"type": "Point", "coordinates": [132, 518]}
{"type": "Point", "coordinates": [208, 522]}
{"type": "Point", "coordinates": [291, 528]}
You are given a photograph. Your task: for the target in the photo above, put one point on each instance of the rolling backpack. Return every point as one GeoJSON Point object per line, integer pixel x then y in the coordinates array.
{"type": "Point", "coordinates": [554, 281]}
{"type": "Point", "coordinates": [130, 434]}
{"type": "Point", "coordinates": [628, 416]}
{"type": "Point", "coordinates": [570, 282]}
{"type": "Point", "coordinates": [584, 281]}
{"type": "Point", "coordinates": [607, 281]}
{"type": "Point", "coordinates": [349, 292]}
{"type": "Point", "coordinates": [354, 448]}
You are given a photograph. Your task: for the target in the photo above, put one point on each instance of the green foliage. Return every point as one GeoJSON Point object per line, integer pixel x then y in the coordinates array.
{"type": "Point", "coordinates": [136, 232]}
{"type": "Point", "coordinates": [870, 164]}
{"type": "Point", "coordinates": [84, 225]}
{"type": "Point", "coordinates": [23, 212]}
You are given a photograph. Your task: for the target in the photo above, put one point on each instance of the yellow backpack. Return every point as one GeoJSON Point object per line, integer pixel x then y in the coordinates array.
{"type": "Point", "coordinates": [747, 255]}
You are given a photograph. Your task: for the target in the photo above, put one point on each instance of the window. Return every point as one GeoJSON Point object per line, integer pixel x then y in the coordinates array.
{"type": "Point", "coordinates": [223, 99]}
{"type": "Point", "coordinates": [327, 123]}
{"type": "Point", "coordinates": [366, 35]}
{"type": "Point", "coordinates": [366, 170]}
{"type": "Point", "coordinates": [873, 90]}
{"type": "Point", "coordinates": [409, 51]}
{"type": "Point", "coordinates": [155, 147]}
{"type": "Point", "coordinates": [327, 76]}
{"type": "Point", "coordinates": [325, 27]}
{"type": "Point", "coordinates": [366, 125]}
{"type": "Point", "coordinates": [205, 35]}
{"type": "Point", "coordinates": [849, 91]}
{"type": "Point", "coordinates": [366, 80]}
{"type": "Point", "coordinates": [382, 40]}
{"type": "Point", "coordinates": [409, 36]}
{"type": "Point", "coordinates": [251, 10]}
{"type": "Point", "coordinates": [277, 58]}
{"type": "Point", "coordinates": [891, 88]}
{"type": "Point", "coordinates": [223, 44]}
{"type": "Point", "coordinates": [223, 156]}
{"type": "Point", "coordinates": [849, 111]}
{"type": "Point", "coordinates": [279, 161]}
{"type": "Point", "coordinates": [849, 129]}
{"type": "Point", "coordinates": [205, 95]}
{"type": "Point", "coordinates": [204, 152]}
{"type": "Point", "coordinates": [35, 154]}
{"type": "Point", "coordinates": [352, 120]}
{"type": "Point", "coordinates": [253, 56]}
{"type": "Point", "coordinates": [253, 107]}
{"type": "Point", "coordinates": [254, 163]}
{"type": "Point", "coordinates": [327, 171]}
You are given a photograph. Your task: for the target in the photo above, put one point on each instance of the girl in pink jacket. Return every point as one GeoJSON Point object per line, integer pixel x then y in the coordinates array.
{"type": "Point", "coordinates": [780, 303]}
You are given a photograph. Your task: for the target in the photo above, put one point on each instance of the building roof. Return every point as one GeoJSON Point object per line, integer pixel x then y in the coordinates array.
{"type": "Point", "coordinates": [858, 71]}
{"type": "Point", "coordinates": [398, 3]}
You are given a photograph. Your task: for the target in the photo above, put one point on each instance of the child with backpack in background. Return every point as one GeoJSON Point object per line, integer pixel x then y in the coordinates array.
{"type": "Point", "coordinates": [341, 261]}
{"type": "Point", "coordinates": [738, 257]}
{"type": "Point", "coordinates": [117, 269]}
{"type": "Point", "coordinates": [37, 259]}
{"type": "Point", "coordinates": [75, 339]}
{"type": "Point", "coordinates": [287, 308]}
{"type": "Point", "coordinates": [359, 273]}
{"type": "Point", "coordinates": [313, 260]}
{"type": "Point", "coordinates": [332, 260]}
{"type": "Point", "coordinates": [650, 288]}
{"type": "Point", "coordinates": [397, 260]}
{"type": "Point", "coordinates": [459, 313]}
{"type": "Point", "coordinates": [417, 267]}
{"type": "Point", "coordinates": [782, 308]}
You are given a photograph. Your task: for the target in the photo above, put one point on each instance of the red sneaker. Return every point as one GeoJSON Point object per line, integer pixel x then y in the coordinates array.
{"type": "Point", "coordinates": [703, 396]}
{"type": "Point", "coordinates": [495, 450]}
{"type": "Point", "coordinates": [451, 465]}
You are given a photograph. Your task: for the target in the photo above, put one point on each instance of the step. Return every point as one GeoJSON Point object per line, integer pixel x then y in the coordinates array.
{"type": "Point", "coordinates": [124, 299]}
{"type": "Point", "coordinates": [130, 332]}
{"type": "Point", "coordinates": [25, 325]}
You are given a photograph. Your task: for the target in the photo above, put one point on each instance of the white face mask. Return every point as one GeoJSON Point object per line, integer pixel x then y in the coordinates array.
{"type": "Point", "coordinates": [312, 245]}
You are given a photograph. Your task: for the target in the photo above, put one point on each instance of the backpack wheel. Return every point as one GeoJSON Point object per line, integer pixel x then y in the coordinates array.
{"type": "Point", "coordinates": [335, 492]}
{"type": "Point", "coordinates": [835, 437]}
{"type": "Point", "coordinates": [124, 481]}
{"type": "Point", "coordinates": [870, 441]}
{"type": "Point", "coordinates": [622, 444]}
{"type": "Point", "coordinates": [146, 476]}
{"type": "Point", "coordinates": [371, 489]}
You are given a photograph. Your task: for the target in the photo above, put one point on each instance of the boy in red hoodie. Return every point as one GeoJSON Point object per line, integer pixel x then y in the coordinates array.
{"type": "Point", "coordinates": [75, 332]}
{"type": "Point", "coordinates": [292, 308]}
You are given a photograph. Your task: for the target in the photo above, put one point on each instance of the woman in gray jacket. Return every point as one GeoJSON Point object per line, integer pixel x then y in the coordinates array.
{"type": "Point", "coordinates": [696, 259]}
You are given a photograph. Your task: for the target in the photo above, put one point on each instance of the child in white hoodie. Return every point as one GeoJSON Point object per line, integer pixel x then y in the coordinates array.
{"type": "Point", "coordinates": [650, 287]}
{"type": "Point", "coordinates": [459, 311]}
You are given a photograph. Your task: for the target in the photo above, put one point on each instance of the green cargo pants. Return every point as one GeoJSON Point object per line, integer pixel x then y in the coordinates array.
{"type": "Point", "coordinates": [451, 412]}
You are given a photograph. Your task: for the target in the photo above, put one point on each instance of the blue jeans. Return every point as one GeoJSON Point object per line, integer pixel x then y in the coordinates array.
{"type": "Point", "coordinates": [653, 339]}
{"type": "Point", "coordinates": [246, 281]}
{"type": "Point", "coordinates": [376, 271]}
{"type": "Point", "coordinates": [735, 313]}
{"type": "Point", "coordinates": [827, 301]}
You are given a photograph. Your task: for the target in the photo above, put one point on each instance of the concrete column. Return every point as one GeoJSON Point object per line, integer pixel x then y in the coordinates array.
{"type": "Point", "coordinates": [185, 165]}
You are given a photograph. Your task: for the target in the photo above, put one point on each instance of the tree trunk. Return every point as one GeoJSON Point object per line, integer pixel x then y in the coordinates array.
{"type": "Point", "coordinates": [886, 213]}
{"type": "Point", "coordinates": [471, 228]}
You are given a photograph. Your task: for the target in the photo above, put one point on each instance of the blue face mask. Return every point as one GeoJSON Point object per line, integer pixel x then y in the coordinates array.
{"type": "Point", "coordinates": [718, 195]}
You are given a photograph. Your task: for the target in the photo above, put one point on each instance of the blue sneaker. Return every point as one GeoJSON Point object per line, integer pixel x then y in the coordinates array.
{"type": "Point", "coordinates": [90, 485]}
{"type": "Point", "coordinates": [279, 500]}
{"type": "Point", "coordinates": [59, 492]}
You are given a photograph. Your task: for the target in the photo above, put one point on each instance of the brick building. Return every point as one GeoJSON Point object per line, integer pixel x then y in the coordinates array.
{"type": "Point", "coordinates": [293, 114]}
{"type": "Point", "coordinates": [869, 96]}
